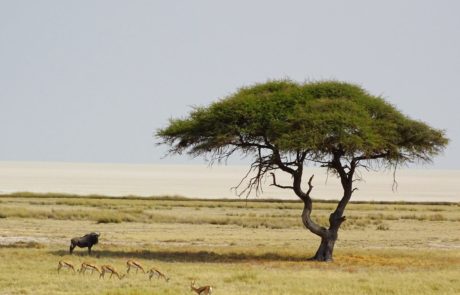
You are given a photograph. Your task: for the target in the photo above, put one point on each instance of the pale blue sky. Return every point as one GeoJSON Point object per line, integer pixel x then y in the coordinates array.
{"type": "Point", "coordinates": [90, 81]}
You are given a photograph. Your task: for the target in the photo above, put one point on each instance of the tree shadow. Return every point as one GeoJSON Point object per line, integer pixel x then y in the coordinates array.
{"type": "Point", "coordinates": [187, 256]}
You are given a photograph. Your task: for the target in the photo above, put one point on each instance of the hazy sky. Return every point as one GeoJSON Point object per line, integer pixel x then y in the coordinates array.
{"type": "Point", "coordinates": [90, 81]}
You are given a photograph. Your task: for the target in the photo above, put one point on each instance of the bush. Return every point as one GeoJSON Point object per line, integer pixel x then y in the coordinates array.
{"type": "Point", "coordinates": [383, 226]}
{"type": "Point", "coordinates": [109, 219]}
{"type": "Point", "coordinates": [437, 217]}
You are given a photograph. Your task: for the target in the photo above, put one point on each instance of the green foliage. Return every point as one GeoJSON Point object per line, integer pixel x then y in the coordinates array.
{"type": "Point", "coordinates": [318, 117]}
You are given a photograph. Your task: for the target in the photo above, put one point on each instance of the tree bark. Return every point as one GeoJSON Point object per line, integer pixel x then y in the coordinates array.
{"type": "Point", "coordinates": [325, 250]}
{"type": "Point", "coordinates": [328, 239]}
{"type": "Point", "coordinates": [329, 235]}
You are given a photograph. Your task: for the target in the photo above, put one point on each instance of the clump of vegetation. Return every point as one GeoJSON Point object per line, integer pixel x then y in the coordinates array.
{"type": "Point", "coordinates": [247, 277]}
{"type": "Point", "coordinates": [422, 217]}
{"type": "Point", "coordinates": [382, 226]}
{"type": "Point", "coordinates": [437, 217]}
{"type": "Point", "coordinates": [22, 244]}
{"type": "Point", "coordinates": [109, 219]}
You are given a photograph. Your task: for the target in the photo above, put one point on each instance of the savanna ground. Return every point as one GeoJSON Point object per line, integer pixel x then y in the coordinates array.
{"type": "Point", "coordinates": [239, 247]}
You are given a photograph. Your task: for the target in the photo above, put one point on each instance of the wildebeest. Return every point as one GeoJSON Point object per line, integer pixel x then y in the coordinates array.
{"type": "Point", "coordinates": [88, 240]}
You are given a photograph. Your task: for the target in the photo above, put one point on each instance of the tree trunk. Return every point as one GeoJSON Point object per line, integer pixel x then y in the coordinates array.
{"type": "Point", "coordinates": [328, 238]}
{"type": "Point", "coordinates": [328, 235]}
{"type": "Point", "coordinates": [325, 250]}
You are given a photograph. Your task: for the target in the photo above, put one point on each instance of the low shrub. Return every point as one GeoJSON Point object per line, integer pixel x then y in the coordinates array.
{"type": "Point", "coordinates": [383, 226]}
{"type": "Point", "coordinates": [109, 219]}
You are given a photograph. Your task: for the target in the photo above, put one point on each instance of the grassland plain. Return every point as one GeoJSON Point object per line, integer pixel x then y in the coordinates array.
{"type": "Point", "coordinates": [239, 247]}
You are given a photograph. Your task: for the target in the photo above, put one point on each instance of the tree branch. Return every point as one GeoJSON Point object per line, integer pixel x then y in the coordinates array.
{"type": "Point", "coordinates": [277, 160]}
{"type": "Point", "coordinates": [371, 157]}
{"type": "Point", "coordinates": [310, 186]}
{"type": "Point", "coordinates": [277, 185]}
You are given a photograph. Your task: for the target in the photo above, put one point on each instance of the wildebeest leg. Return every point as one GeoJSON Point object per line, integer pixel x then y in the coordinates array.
{"type": "Point", "coordinates": [72, 246]}
{"type": "Point", "coordinates": [89, 250]}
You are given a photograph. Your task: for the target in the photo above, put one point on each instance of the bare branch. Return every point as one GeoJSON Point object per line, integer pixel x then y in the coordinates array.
{"type": "Point", "coordinates": [277, 160]}
{"type": "Point", "coordinates": [235, 188]}
{"type": "Point", "coordinates": [310, 186]}
{"type": "Point", "coordinates": [277, 185]}
{"type": "Point", "coordinates": [261, 166]}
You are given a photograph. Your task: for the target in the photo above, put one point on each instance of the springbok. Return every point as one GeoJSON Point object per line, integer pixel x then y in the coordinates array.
{"type": "Point", "coordinates": [155, 272]}
{"type": "Point", "coordinates": [205, 290]}
{"type": "Point", "coordinates": [134, 264]}
{"type": "Point", "coordinates": [110, 269]}
{"type": "Point", "coordinates": [65, 264]}
{"type": "Point", "coordinates": [89, 266]}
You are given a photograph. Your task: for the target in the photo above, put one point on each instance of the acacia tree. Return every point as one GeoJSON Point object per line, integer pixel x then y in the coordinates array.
{"type": "Point", "coordinates": [286, 125]}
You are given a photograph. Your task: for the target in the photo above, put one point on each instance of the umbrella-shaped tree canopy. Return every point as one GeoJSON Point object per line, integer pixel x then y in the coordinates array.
{"type": "Point", "coordinates": [285, 125]}
{"type": "Point", "coordinates": [319, 118]}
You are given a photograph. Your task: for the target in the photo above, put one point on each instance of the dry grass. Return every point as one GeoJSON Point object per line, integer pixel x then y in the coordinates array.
{"type": "Point", "coordinates": [239, 247]}
{"type": "Point", "coordinates": [253, 214]}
